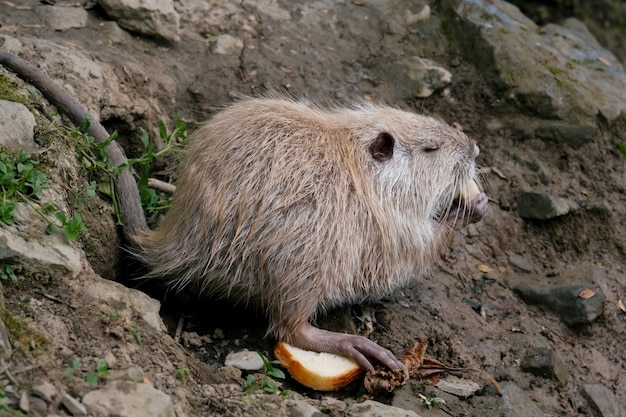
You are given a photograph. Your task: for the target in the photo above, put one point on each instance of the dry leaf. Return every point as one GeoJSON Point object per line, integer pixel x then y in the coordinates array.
{"type": "Point", "coordinates": [604, 61]}
{"type": "Point", "coordinates": [381, 381]}
{"type": "Point", "coordinates": [588, 292]}
{"type": "Point", "coordinates": [484, 268]}
{"type": "Point", "coordinates": [417, 366]}
{"type": "Point", "coordinates": [620, 304]}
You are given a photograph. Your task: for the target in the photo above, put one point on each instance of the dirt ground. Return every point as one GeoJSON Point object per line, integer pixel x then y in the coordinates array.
{"type": "Point", "coordinates": [439, 307]}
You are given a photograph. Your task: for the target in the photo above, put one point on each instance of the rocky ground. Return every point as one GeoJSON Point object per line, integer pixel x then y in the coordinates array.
{"type": "Point", "coordinates": [534, 294]}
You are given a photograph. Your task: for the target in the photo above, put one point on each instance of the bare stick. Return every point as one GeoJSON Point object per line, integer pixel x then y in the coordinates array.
{"type": "Point", "coordinates": [166, 187]}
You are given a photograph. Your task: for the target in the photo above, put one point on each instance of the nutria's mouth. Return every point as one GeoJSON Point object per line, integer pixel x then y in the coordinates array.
{"type": "Point", "coordinates": [469, 206]}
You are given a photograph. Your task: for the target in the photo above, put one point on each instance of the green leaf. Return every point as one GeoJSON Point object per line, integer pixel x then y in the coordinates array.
{"type": "Point", "coordinates": [7, 212]}
{"type": "Point", "coordinates": [85, 124]}
{"type": "Point", "coordinates": [92, 378]}
{"type": "Point", "coordinates": [61, 217]}
{"type": "Point", "coordinates": [276, 373]}
{"type": "Point", "coordinates": [269, 385]}
{"type": "Point", "coordinates": [91, 190]}
{"type": "Point", "coordinates": [102, 366]}
{"type": "Point", "coordinates": [162, 129]}
{"type": "Point", "coordinates": [49, 208]}
{"type": "Point", "coordinates": [144, 138]}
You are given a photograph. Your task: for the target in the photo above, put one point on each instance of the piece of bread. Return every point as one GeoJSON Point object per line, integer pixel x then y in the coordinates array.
{"type": "Point", "coordinates": [320, 371]}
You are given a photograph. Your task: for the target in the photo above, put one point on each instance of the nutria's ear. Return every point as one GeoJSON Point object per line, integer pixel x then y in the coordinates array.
{"type": "Point", "coordinates": [382, 147]}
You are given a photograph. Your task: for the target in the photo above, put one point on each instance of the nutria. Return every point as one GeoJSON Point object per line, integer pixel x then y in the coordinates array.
{"type": "Point", "coordinates": [296, 209]}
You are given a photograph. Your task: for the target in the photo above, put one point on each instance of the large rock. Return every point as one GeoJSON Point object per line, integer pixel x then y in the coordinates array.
{"type": "Point", "coordinates": [559, 76]}
{"type": "Point", "coordinates": [416, 77]}
{"type": "Point", "coordinates": [64, 18]}
{"type": "Point", "coordinates": [538, 206]}
{"type": "Point", "coordinates": [603, 401]}
{"type": "Point", "coordinates": [128, 301]}
{"type": "Point", "coordinates": [49, 255]}
{"type": "Point", "coordinates": [129, 399]}
{"type": "Point", "coordinates": [17, 125]}
{"type": "Point", "coordinates": [156, 18]}
{"type": "Point", "coordinates": [573, 295]}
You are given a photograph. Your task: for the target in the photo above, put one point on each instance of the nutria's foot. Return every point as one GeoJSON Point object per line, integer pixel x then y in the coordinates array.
{"type": "Point", "coordinates": [356, 347]}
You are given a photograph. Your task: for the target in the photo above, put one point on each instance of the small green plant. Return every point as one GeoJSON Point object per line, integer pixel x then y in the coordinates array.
{"type": "Point", "coordinates": [218, 333]}
{"type": "Point", "coordinates": [7, 273]}
{"type": "Point", "coordinates": [270, 369]}
{"type": "Point", "coordinates": [265, 381]}
{"type": "Point", "coordinates": [153, 202]}
{"type": "Point", "coordinates": [102, 371]}
{"type": "Point", "coordinates": [69, 371]}
{"type": "Point", "coordinates": [182, 372]}
{"type": "Point", "coordinates": [100, 169]}
{"type": "Point", "coordinates": [430, 402]}
{"type": "Point", "coordinates": [72, 227]}
{"type": "Point", "coordinates": [95, 161]}
{"type": "Point", "coordinates": [20, 180]}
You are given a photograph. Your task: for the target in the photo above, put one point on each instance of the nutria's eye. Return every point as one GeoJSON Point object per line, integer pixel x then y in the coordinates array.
{"type": "Point", "coordinates": [431, 147]}
{"type": "Point", "coordinates": [382, 147]}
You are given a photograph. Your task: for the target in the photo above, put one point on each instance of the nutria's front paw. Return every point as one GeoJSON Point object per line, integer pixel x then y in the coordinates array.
{"type": "Point", "coordinates": [361, 349]}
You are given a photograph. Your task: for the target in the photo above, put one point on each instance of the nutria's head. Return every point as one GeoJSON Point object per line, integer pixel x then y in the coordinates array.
{"type": "Point", "coordinates": [422, 166]}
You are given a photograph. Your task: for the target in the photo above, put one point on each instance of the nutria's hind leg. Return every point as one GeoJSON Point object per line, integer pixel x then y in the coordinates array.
{"type": "Point", "coordinates": [359, 348]}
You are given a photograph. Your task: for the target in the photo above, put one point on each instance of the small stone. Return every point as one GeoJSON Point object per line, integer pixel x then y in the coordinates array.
{"type": "Point", "coordinates": [24, 403]}
{"type": "Point", "coordinates": [191, 339]}
{"type": "Point", "coordinates": [244, 360]}
{"type": "Point", "coordinates": [546, 363]}
{"type": "Point", "coordinates": [300, 408]}
{"type": "Point", "coordinates": [134, 373]}
{"type": "Point", "coordinates": [600, 209]}
{"type": "Point", "coordinates": [73, 406]}
{"type": "Point", "coordinates": [64, 18]}
{"type": "Point", "coordinates": [521, 263]}
{"type": "Point", "coordinates": [517, 403]}
{"type": "Point", "coordinates": [37, 405]}
{"type": "Point", "coordinates": [46, 391]}
{"type": "Point", "coordinates": [603, 400]}
{"type": "Point", "coordinates": [229, 374]}
{"type": "Point", "coordinates": [535, 206]}
{"type": "Point", "coordinates": [416, 77]}
{"type": "Point", "coordinates": [463, 388]}
{"type": "Point", "coordinates": [227, 45]}
{"type": "Point", "coordinates": [110, 359]}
